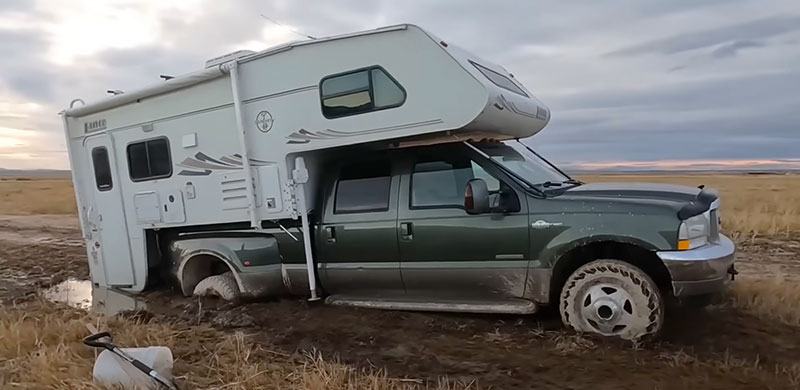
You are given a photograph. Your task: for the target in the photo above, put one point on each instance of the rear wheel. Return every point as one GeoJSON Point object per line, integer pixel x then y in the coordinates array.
{"type": "Point", "coordinates": [223, 286]}
{"type": "Point", "coordinates": [612, 298]}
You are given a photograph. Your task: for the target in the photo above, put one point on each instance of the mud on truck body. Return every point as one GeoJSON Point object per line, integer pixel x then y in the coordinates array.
{"type": "Point", "coordinates": [381, 169]}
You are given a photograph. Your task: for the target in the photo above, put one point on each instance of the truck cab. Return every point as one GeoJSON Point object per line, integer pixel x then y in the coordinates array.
{"type": "Point", "coordinates": [492, 227]}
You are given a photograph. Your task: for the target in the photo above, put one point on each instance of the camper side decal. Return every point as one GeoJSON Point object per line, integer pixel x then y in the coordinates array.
{"type": "Point", "coordinates": [202, 165]}
{"type": "Point", "coordinates": [304, 136]}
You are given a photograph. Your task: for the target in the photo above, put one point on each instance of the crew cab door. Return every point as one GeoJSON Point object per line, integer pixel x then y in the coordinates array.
{"type": "Point", "coordinates": [444, 251]}
{"type": "Point", "coordinates": [107, 241]}
{"type": "Point", "coordinates": [357, 238]}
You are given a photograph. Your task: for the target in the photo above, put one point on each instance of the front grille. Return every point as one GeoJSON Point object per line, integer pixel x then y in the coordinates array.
{"type": "Point", "coordinates": [714, 223]}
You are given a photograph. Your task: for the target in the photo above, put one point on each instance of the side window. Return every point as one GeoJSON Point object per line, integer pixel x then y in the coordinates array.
{"type": "Point", "coordinates": [491, 182]}
{"type": "Point", "coordinates": [102, 169]}
{"type": "Point", "coordinates": [363, 187]}
{"type": "Point", "coordinates": [359, 91]}
{"type": "Point", "coordinates": [149, 160]}
{"type": "Point", "coordinates": [499, 79]}
{"type": "Point", "coordinates": [440, 183]}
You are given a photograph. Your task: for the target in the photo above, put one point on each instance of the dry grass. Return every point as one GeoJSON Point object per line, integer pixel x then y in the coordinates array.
{"type": "Point", "coordinates": [776, 298]}
{"type": "Point", "coordinates": [750, 205]}
{"type": "Point", "coordinates": [40, 348]}
{"type": "Point", "coordinates": [37, 196]}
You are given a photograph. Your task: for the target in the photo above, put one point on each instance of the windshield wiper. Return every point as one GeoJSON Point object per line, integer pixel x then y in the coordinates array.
{"type": "Point", "coordinates": [551, 184]}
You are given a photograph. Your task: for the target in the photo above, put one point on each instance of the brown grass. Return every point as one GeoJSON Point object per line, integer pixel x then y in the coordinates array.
{"type": "Point", "coordinates": [19, 196]}
{"type": "Point", "coordinates": [40, 347]}
{"type": "Point", "coordinates": [776, 298]}
{"type": "Point", "coordinates": [750, 205]}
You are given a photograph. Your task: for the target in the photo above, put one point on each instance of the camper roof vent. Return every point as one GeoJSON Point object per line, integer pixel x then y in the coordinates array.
{"type": "Point", "coordinates": [228, 57]}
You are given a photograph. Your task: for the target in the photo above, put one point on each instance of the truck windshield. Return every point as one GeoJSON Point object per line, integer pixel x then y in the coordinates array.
{"type": "Point", "coordinates": [523, 163]}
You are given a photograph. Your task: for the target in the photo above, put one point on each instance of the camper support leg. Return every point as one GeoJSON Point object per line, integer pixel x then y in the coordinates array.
{"type": "Point", "coordinates": [300, 177]}
{"type": "Point", "coordinates": [248, 173]}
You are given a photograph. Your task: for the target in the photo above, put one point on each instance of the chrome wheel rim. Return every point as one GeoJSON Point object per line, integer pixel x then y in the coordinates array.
{"type": "Point", "coordinates": [608, 309]}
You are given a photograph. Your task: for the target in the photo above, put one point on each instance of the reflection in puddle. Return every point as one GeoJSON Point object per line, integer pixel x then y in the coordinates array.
{"type": "Point", "coordinates": [76, 293]}
{"type": "Point", "coordinates": [80, 294]}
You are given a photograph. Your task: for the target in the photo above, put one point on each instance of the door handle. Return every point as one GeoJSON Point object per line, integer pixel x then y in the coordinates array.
{"type": "Point", "coordinates": [330, 233]}
{"type": "Point", "coordinates": [407, 231]}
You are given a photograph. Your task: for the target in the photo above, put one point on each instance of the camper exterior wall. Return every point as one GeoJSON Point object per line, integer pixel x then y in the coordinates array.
{"type": "Point", "coordinates": [282, 119]}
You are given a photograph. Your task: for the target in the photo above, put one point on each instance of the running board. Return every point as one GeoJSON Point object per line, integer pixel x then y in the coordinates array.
{"type": "Point", "coordinates": [513, 306]}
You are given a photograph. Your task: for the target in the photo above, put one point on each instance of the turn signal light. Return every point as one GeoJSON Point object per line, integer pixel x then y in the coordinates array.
{"type": "Point", "coordinates": [683, 245]}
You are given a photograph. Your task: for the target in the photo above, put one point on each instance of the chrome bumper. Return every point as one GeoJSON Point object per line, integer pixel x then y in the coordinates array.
{"type": "Point", "coordinates": [704, 270]}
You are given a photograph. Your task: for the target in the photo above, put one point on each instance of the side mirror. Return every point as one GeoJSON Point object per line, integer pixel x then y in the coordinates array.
{"type": "Point", "coordinates": [476, 197]}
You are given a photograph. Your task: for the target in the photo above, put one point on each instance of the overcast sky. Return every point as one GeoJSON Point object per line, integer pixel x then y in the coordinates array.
{"type": "Point", "coordinates": [637, 81]}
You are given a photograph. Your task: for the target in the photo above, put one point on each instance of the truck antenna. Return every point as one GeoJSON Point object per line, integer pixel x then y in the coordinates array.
{"type": "Point", "coordinates": [277, 23]}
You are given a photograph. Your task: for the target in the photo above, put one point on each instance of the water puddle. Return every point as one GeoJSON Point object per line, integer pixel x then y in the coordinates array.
{"type": "Point", "coordinates": [81, 294]}
{"type": "Point", "coordinates": [75, 293]}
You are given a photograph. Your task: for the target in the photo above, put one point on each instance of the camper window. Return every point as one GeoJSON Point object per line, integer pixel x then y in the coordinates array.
{"type": "Point", "coordinates": [149, 160]}
{"type": "Point", "coordinates": [102, 169]}
{"type": "Point", "coordinates": [499, 80]}
{"type": "Point", "coordinates": [360, 91]}
{"type": "Point", "coordinates": [363, 187]}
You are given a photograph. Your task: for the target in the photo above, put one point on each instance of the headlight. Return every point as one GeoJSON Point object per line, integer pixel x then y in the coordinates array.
{"type": "Point", "coordinates": [694, 231]}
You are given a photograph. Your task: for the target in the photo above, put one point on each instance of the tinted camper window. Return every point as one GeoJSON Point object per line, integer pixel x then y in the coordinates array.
{"type": "Point", "coordinates": [363, 187]}
{"type": "Point", "coordinates": [149, 160]}
{"type": "Point", "coordinates": [360, 91]}
{"type": "Point", "coordinates": [499, 80]}
{"type": "Point", "coordinates": [102, 169]}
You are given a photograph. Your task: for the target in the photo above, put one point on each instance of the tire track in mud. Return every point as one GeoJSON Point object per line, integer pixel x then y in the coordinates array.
{"type": "Point", "coordinates": [717, 348]}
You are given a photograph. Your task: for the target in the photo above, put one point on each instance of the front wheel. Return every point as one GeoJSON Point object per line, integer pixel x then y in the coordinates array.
{"type": "Point", "coordinates": [612, 298]}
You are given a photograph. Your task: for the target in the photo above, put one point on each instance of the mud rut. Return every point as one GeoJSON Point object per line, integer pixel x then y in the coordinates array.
{"type": "Point", "coordinates": [715, 348]}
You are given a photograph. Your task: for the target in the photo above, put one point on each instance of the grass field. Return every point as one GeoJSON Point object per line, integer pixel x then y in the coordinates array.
{"type": "Point", "coordinates": [751, 204]}
{"type": "Point", "coordinates": [22, 196]}
{"type": "Point", "coordinates": [750, 341]}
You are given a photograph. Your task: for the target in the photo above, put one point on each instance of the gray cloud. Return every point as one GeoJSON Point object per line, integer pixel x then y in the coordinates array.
{"type": "Point", "coordinates": [723, 92]}
{"type": "Point", "coordinates": [750, 30]}
{"type": "Point", "coordinates": [731, 49]}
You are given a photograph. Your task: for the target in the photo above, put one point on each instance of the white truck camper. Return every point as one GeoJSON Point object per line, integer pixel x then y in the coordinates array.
{"type": "Point", "coordinates": [234, 151]}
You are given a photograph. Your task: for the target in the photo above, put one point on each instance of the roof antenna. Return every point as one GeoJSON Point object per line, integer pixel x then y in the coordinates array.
{"type": "Point", "coordinates": [287, 27]}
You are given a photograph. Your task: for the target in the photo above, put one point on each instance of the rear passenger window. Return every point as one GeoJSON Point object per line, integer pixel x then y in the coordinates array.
{"type": "Point", "coordinates": [149, 160]}
{"type": "Point", "coordinates": [102, 169]}
{"type": "Point", "coordinates": [363, 187]}
{"type": "Point", "coordinates": [359, 91]}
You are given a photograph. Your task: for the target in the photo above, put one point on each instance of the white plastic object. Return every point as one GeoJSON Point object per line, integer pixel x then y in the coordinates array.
{"type": "Point", "coordinates": [111, 370]}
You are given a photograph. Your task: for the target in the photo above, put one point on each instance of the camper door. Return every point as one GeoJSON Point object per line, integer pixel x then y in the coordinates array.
{"type": "Point", "coordinates": [107, 238]}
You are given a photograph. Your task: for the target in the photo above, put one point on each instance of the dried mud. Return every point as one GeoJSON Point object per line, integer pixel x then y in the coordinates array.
{"type": "Point", "coordinates": [712, 348]}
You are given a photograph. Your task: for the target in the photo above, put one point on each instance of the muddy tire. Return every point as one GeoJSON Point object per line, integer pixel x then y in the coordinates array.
{"type": "Point", "coordinates": [223, 286]}
{"type": "Point", "coordinates": [612, 298]}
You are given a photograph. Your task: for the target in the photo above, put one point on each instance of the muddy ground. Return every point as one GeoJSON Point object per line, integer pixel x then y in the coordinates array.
{"type": "Point", "coordinates": [717, 347]}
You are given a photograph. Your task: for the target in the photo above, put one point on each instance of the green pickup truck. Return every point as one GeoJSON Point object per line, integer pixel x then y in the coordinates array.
{"type": "Point", "coordinates": [486, 227]}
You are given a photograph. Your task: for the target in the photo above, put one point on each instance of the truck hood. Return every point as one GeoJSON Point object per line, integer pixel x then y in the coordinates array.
{"type": "Point", "coordinates": [654, 191]}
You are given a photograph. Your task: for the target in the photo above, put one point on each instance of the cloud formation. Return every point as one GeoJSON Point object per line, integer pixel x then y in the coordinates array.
{"type": "Point", "coordinates": [626, 80]}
